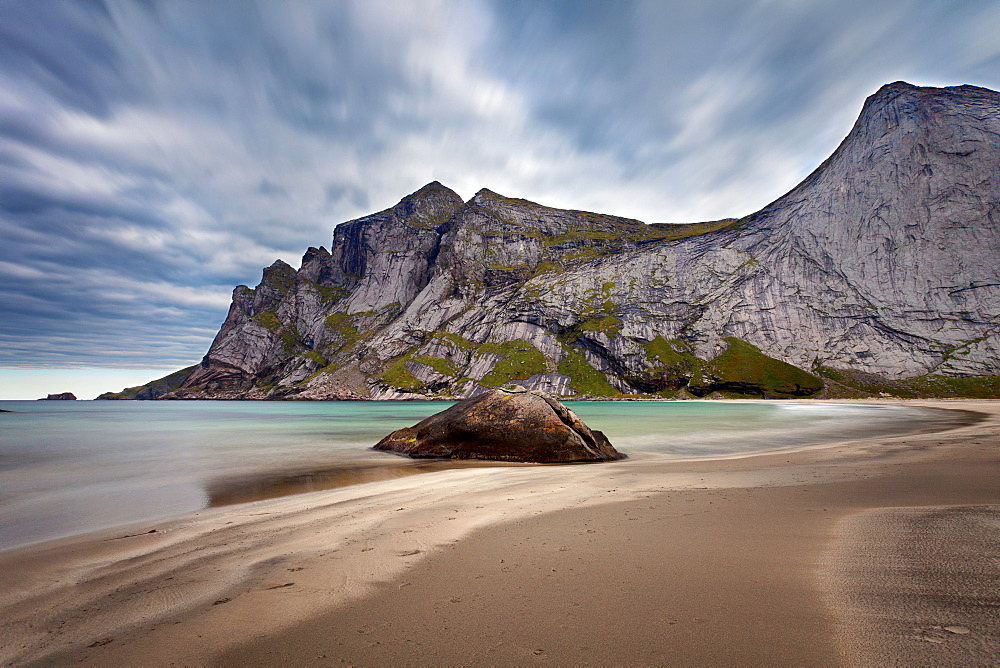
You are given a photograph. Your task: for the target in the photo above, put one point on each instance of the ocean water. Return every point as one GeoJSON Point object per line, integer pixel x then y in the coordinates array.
{"type": "Point", "coordinates": [68, 467]}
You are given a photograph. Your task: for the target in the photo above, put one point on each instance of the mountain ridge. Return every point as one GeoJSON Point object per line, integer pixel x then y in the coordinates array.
{"type": "Point", "coordinates": [879, 264]}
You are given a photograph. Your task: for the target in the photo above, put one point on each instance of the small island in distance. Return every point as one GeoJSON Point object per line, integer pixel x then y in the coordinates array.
{"type": "Point", "coordinates": [61, 396]}
{"type": "Point", "coordinates": [875, 276]}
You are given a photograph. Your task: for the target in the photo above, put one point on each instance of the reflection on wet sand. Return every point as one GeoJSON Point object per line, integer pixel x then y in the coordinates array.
{"type": "Point", "coordinates": [273, 484]}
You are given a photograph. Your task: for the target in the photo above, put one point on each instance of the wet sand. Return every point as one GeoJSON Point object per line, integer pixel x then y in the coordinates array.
{"type": "Point", "coordinates": [775, 559]}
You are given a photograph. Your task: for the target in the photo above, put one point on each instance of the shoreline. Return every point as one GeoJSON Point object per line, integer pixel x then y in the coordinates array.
{"type": "Point", "coordinates": [360, 465]}
{"type": "Point", "coordinates": [151, 593]}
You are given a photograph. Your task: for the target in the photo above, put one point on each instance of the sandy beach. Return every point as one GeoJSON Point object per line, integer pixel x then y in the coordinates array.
{"type": "Point", "coordinates": [878, 551]}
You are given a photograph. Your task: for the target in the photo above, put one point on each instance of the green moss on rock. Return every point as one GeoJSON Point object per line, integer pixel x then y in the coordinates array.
{"type": "Point", "coordinates": [584, 378]}
{"type": "Point", "coordinates": [519, 361]}
{"type": "Point", "coordinates": [850, 381]}
{"type": "Point", "coordinates": [743, 368]}
{"type": "Point", "coordinates": [439, 364]}
{"type": "Point", "coordinates": [662, 355]}
{"type": "Point", "coordinates": [329, 294]}
{"type": "Point", "coordinates": [316, 357]}
{"type": "Point", "coordinates": [607, 324]}
{"type": "Point", "coordinates": [268, 320]}
{"type": "Point", "coordinates": [342, 324]}
{"type": "Point", "coordinates": [457, 340]}
{"type": "Point", "coordinates": [546, 266]}
{"type": "Point", "coordinates": [398, 376]}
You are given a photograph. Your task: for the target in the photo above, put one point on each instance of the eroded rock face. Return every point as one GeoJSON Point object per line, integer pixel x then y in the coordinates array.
{"type": "Point", "coordinates": [510, 424]}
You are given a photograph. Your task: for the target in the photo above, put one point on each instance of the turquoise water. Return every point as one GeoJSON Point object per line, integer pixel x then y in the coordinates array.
{"type": "Point", "coordinates": [67, 467]}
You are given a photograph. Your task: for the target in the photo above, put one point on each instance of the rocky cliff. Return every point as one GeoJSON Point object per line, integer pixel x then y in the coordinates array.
{"type": "Point", "coordinates": [877, 271]}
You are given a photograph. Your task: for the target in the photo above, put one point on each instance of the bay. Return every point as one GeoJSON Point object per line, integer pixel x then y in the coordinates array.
{"type": "Point", "coordinates": [69, 467]}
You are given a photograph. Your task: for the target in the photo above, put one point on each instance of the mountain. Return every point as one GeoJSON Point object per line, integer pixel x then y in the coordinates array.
{"type": "Point", "coordinates": [877, 274]}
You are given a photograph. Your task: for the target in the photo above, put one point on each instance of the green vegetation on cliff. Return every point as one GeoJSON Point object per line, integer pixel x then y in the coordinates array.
{"type": "Point", "coordinates": [632, 231]}
{"type": "Point", "coordinates": [439, 364]}
{"type": "Point", "coordinates": [268, 320]}
{"type": "Point", "coordinates": [455, 339]}
{"type": "Point", "coordinates": [850, 383]}
{"type": "Point", "coordinates": [398, 376]}
{"type": "Point", "coordinates": [584, 378]}
{"type": "Point", "coordinates": [519, 361]}
{"type": "Point", "coordinates": [343, 325]}
{"type": "Point", "coordinates": [664, 356]}
{"type": "Point", "coordinates": [286, 331]}
{"type": "Point", "coordinates": [607, 324]}
{"type": "Point", "coordinates": [743, 368]}
{"type": "Point", "coordinates": [315, 357]}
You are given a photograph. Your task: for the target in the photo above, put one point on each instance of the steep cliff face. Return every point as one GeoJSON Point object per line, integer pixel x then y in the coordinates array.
{"type": "Point", "coordinates": [883, 261]}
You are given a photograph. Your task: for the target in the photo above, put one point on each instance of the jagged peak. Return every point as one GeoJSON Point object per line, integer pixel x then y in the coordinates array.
{"type": "Point", "coordinates": [433, 191]}
{"type": "Point", "coordinates": [279, 265]}
{"type": "Point", "coordinates": [486, 196]}
{"type": "Point", "coordinates": [428, 202]}
{"type": "Point", "coordinates": [433, 187]}
{"type": "Point", "coordinates": [894, 87]}
{"type": "Point", "coordinates": [278, 269]}
{"type": "Point", "coordinates": [906, 87]}
{"type": "Point", "coordinates": [927, 100]}
{"type": "Point", "coordinates": [431, 206]}
{"type": "Point", "coordinates": [893, 91]}
{"type": "Point", "coordinates": [312, 252]}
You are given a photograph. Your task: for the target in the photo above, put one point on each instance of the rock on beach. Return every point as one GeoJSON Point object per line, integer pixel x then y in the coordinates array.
{"type": "Point", "coordinates": [509, 424]}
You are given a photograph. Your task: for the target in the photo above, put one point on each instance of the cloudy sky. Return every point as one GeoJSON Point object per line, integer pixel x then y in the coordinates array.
{"type": "Point", "coordinates": [153, 155]}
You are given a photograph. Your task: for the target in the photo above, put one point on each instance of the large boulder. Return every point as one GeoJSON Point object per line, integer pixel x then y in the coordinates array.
{"type": "Point", "coordinates": [510, 424]}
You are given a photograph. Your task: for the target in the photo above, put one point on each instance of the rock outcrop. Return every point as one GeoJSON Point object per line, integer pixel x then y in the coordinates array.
{"type": "Point", "coordinates": [506, 424]}
{"type": "Point", "coordinates": [61, 396]}
{"type": "Point", "coordinates": [880, 265]}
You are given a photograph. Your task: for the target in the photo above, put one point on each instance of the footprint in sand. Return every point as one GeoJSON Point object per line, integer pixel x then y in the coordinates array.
{"type": "Point", "coordinates": [940, 634]}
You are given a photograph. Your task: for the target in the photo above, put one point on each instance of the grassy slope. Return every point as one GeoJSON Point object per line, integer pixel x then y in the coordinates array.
{"type": "Point", "coordinates": [168, 383]}
{"type": "Point", "coordinates": [847, 383]}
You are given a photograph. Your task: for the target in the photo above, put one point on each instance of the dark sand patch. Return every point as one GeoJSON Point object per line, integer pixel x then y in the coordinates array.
{"type": "Point", "coordinates": [919, 586]}
{"type": "Point", "coordinates": [260, 486]}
